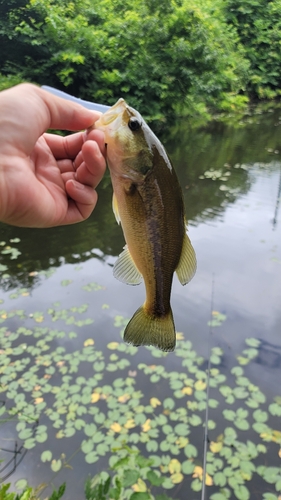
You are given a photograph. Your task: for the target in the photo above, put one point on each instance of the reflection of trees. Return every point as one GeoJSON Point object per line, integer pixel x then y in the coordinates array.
{"type": "Point", "coordinates": [269, 355]}
{"type": "Point", "coordinates": [217, 147]}
{"type": "Point", "coordinates": [45, 248]}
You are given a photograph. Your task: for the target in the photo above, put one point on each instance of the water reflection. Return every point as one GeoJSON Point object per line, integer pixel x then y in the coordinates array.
{"type": "Point", "coordinates": [213, 165]}
{"type": "Point", "coordinates": [231, 183]}
{"type": "Point", "coordinates": [269, 355]}
{"type": "Point", "coordinates": [278, 198]}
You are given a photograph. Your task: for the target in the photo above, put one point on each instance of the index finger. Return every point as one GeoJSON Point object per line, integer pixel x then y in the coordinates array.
{"type": "Point", "coordinates": [69, 146]}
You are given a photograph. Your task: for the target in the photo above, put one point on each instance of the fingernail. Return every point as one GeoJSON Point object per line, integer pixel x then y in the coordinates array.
{"type": "Point", "coordinates": [78, 185]}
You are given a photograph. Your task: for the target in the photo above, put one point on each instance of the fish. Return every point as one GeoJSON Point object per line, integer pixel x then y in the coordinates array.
{"type": "Point", "coordinates": [148, 202]}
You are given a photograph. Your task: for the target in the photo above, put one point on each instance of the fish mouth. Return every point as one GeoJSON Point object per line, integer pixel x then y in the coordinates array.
{"type": "Point", "coordinates": [110, 116]}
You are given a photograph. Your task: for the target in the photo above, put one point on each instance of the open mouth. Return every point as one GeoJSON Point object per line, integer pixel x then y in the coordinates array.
{"type": "Point", "coordinates": [111, 115]}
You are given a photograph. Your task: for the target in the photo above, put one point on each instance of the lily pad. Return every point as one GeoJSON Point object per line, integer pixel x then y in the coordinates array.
{"type": "Point", "coordinates": [46, 456]}
{"type": "Point", "coordinates": [21, 484]}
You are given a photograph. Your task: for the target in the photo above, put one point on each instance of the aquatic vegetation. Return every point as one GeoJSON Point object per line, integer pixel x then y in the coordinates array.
{"type": "Point", "coordinates": [12, 251]}
{"type": "Point", "coordinates": [40, 380]}
{"type": "Point", "coordinates": [217, 319]}
{"type": "Point", "coordinates": [67, 397]}
{"type": "Point", "coordinates": [128, 472]}
{"type": "Point", "coordinates": [27, 492]}
{"type": "Point", "coordinates": [131, 472]}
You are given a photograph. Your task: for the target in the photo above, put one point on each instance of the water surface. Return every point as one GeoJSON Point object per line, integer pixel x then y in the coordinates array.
{"type": "Point", "coordinates": [231, 178]}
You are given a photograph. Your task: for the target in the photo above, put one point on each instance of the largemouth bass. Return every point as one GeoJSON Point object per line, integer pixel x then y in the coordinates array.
{"type": "Point", "coordinates": [147, 200]}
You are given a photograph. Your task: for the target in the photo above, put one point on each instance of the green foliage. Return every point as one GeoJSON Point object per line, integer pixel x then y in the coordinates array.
{"type": "Point", "coordinates": [56, 495]}
{"type": "Point", "coordinates": [258, 24]}
{"type": "Point", "coordinates": [114, 418]}
{"type": "Point", "coordinates": [180, 58]}
{"type": "Point", "coordinates": [173, 58]}
{"type": "Point", "coordinates": [28, 493]}
{"type": "Point", "coordinates": [9, 80]}
{"type": "Point", "coordinates": [131, 471]}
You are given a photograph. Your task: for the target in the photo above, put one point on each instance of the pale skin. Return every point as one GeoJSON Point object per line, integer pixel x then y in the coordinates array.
{"type": "Point", "coordinates": [45, 179]}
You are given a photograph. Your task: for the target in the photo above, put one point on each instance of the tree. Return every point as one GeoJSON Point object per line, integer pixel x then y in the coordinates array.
{"type": "Point", "coordinates": [258, 24]}
{"type": "Point", "coordinates": [166, 59]}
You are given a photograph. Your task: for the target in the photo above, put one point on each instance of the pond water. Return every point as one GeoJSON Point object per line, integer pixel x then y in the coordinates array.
{"type": "Point", "coordinates": [71, 389]}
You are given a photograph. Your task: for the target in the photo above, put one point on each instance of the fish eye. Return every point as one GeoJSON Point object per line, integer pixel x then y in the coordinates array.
{"type": "Point", "coordinates": [134, 124]}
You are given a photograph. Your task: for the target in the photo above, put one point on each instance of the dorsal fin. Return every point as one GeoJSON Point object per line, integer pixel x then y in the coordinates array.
{"type": "Point", "coordinates": [125, 269]}
{"type": "Point", "coordinates": [187, 264]}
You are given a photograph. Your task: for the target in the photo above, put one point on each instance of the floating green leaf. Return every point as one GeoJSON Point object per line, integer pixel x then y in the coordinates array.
{"type": "Point", "coordinates": [29, 443]}
{"type": "Point", "coordinates": [218, 496]}
{"type": "Point", "coordinates": [168, 403]}
{"type": "Point", "coordinates": [140, 496]}
{"type": "Point", "coordinates": [116, 412]}
{"type": "Point", "coordinates": [252, 342]}
{"type": "Point", "coordinates": [275, 409]}
{"type": "Point", "coordinates": [130, 477]}
{"type": "Point", "coordinates": [241, 492]}
{"type": "Point", "coordinates": [219, 479]}
{"type": "Point", "coordinates": [260, 416]}
{"type": "Point", "coordinates": [46, 456]}
{"type": "Point", "coordinates": [217, 319]}
{"type": "Point", "coordinates": [56, 465]}
{"type": "Point", "coordinates": [66, 282]}
{"type": "Point", "coordinates": [93, 287]}
{"type": "Point", "coordinates": [91, 457]}
{"type": "Point", "coordinates": [21, 484]}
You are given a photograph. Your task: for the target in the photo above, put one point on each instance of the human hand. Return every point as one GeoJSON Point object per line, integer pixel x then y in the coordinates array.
{"type": "Point", "coordinates": [45, 179]}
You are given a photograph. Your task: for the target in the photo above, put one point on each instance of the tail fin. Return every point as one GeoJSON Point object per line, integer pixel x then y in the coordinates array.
{"type": "Point", "coordinates": [144, 329]}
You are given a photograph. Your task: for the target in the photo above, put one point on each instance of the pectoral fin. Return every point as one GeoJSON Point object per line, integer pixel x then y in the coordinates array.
{"type": "Point", "coordinates": [115, 209]}
{"type": "Point", "coordinates": [125, 270]}
{"type": "Point", "coordinates": [187, 264]}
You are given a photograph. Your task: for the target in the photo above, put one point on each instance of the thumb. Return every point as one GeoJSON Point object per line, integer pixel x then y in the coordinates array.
{"type": "Point", "coordinates": [29, 111]}
{"type": "Point", "coordinates": [66, 115]}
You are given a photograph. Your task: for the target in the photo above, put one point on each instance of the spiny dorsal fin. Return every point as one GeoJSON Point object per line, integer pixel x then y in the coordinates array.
{"type": "Point", "coordinates": [115, 208]}
{"type": "Point", "coordinates": [125, 270]}
{"type": "Point", "coordinates": [187, 264]}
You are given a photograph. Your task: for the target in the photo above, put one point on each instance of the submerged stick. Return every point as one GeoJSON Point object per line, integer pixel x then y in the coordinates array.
{"type": "Point", "coordinates": [277, 202]}
{"type": "Point", "coordinates": [208, 395]}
